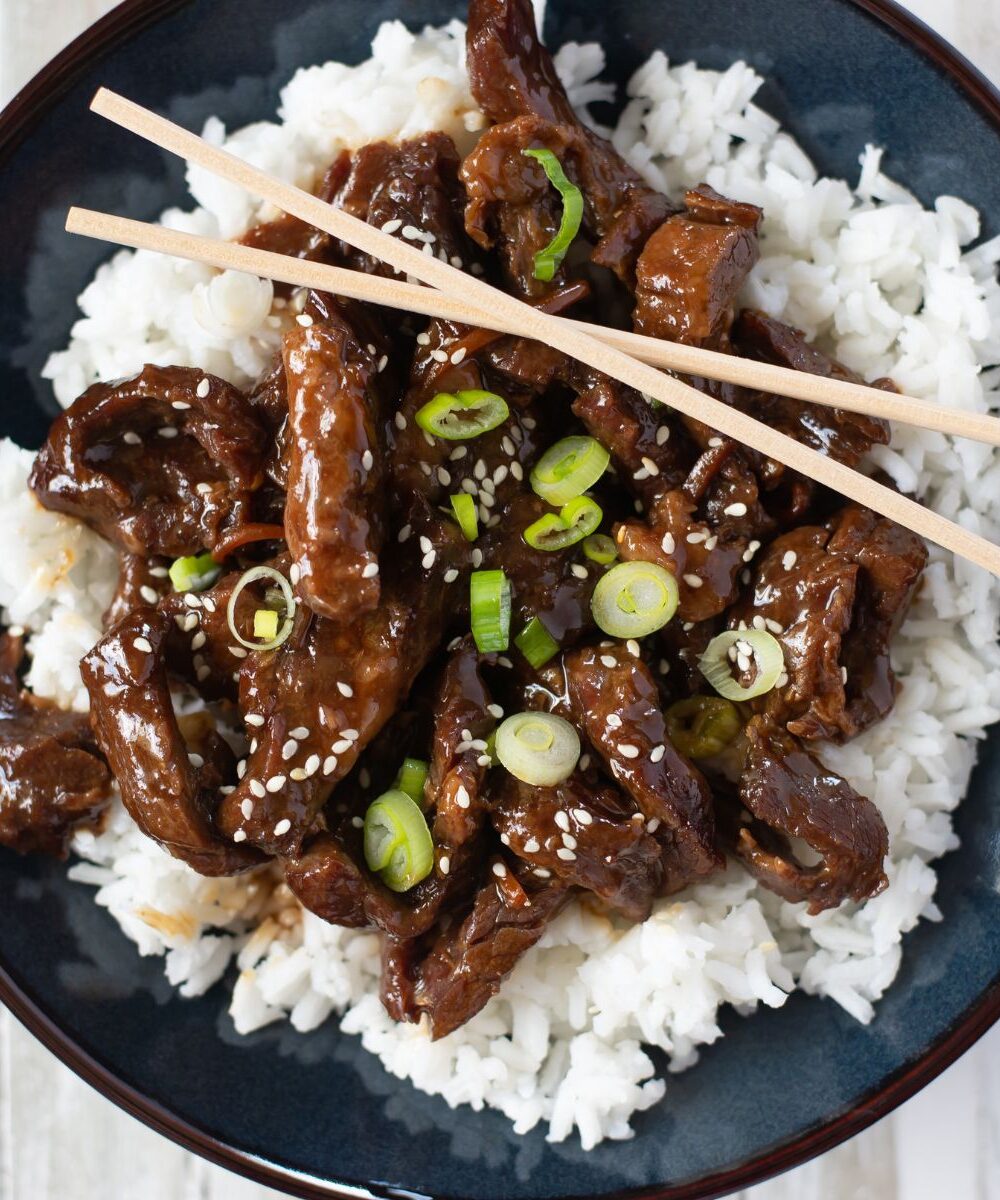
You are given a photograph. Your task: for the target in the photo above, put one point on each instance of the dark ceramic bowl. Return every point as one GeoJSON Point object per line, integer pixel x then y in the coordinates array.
{"type": "Point", "coordinates": [315, 1114]}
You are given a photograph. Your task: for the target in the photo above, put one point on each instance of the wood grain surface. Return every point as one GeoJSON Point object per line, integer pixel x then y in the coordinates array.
{"type": "Point", "coordinates": [59, 1140]}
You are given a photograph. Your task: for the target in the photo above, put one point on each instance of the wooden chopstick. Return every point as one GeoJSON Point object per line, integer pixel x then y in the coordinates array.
{"type": "Point", "coordinates": [690, 360]}
{"type": "Point", "coordinates": [549, 330]}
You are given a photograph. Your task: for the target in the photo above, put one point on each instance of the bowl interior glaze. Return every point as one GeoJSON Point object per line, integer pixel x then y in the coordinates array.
{"type": "Point", "coordinates": [310, 1112]}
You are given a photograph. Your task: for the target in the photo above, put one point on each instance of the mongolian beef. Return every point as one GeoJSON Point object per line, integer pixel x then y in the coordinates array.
{"type": "Point", "coordinates": [477, 630]}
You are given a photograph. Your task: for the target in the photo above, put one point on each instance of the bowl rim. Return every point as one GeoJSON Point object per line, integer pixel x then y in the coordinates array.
{"type": "Point", "coordinates": [23, 111]}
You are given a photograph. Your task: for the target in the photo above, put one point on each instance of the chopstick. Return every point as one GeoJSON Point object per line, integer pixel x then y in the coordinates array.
{"type": "Point", "coordinates": [690, 360]}
{"type": "Point", "coordinates": [551, 331]}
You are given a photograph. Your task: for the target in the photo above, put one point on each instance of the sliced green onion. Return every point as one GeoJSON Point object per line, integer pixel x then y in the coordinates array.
{"type": "Point", "coordinates": [265, 624]}
{"type": "Point", "coordinates": [538, 748]}
{"type": "Point", "coordinates": [464, 508]}
{"type": "Point", "coordinates": [569, 468]}
{"type": "Point", "coordinates": [702, 726]}
{"type": "Point", "coordinates": [536, 643]}
{"type": "Point", "coordinates": [459, 415]}
{"type": "Point", "coordinates": [547, 261]}
{"type": "Point", "coordinates": [634, 599]}
{"type": "Point", "coordinates": [398, 844]}
{"type": "Point", "coordinates": [194, 573]}
{"type": "Point", "coordinates": [765, 654]}
{"type": "Point", "coordinates": [489, 600]}
{"type": "Point", "coordinates": [284, 587]}
{"type": "Point", "coordinates": [601, 549]}
{"type": "Point", "coordinates": [576, 519]}
{"type": "Point", "coordinates": [412, 777]}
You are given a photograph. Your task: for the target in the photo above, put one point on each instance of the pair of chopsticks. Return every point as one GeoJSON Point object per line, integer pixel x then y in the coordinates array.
{"type": "Point", "coordinates": [466, 299]}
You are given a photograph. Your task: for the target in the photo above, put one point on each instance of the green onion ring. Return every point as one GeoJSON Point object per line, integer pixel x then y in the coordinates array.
{"type": "Point", "coordinates": [766, 654]}
{"type": "Point", "coordinates": [398, 844]}
{"type": "Point", "coordinates": [548, 261]}
{"type": "Point", "coordinates": [536, 643]}
{"type": "Point", "coordinates": [577, 519]}
{"type": "Point", "coordinates": [601, 549]}
{"type": "Point", "coordinates": [285, 588]}
{"type": "Point", "coordinates": [569, 468]}
{"type": "Point", "coordinates": [411, 779]}
{"type": "Point", "coordinates": [194, 573]}
{"type": "Point", "coordinates": [634, 599]}
{"type": "Point", "coordinates": [464, 508]}
{"type": "Point", "coordinates": [702, 726]}
{"type": "Point", "coordinates": [489, 601]}
{"type": "Point", "coordinates": [538, 748]}
{"type": "Point", "coordinates": [456, 416]}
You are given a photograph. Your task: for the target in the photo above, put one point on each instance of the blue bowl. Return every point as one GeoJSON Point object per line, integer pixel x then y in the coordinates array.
{"type": "Point", "coordinates": [316, 1115]}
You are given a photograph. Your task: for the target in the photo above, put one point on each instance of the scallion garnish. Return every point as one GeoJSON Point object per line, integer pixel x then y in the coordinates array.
{"type": "Point", "coordinates": [548, 261]}
{"type": "Point", "coordinates": [536, 643]}
{"type": "Point", "coordinates": [538, 748]}
{"type": "Point", "coordinates": [194, 573]}
{"type": "Point", "coordinates": [456, 416]}
{"type": "Point", "coordinates": [702, 726]}
{"type": "Point", "coordinates": [285, 589]}
{"type": "Point", "coordinates": [634, 599]}
{"type": "Point", "coordinates": [265, 624]}
{"type": "Point", "coordinates": [577, 518]}
{"type": "Point", "coordinates": [569, 468]}
{"type": "Point", "coordinates": [601, 549]}
{"type": "Point", "coordinates": [489, 600]}
{"type": "Point", "coordinates": [398, 844]}
{"type": "Point", "coordinates": [464, 508]}
{"type": "Point", "coordinates": [742, 649]}
{"type": "Point", "coordinates": [412, 777]}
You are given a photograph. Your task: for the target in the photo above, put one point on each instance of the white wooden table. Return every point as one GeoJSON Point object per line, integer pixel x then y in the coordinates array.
{"type": "Point", "coordinates": [59, 1140]}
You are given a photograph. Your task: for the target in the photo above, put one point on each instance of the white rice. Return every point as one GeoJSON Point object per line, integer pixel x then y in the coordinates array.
{"type": "Point", "coordinates": [888, 286]}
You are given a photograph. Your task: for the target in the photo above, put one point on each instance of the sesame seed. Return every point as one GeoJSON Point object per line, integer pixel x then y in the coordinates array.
{"type": "Point", "coordinates": [203, 388]}
{"type": "Point", "coordinates": [565, 854]}
{"type": "Point", "coordinates": [450, 575]}
{"type": "Point", "coordinates": [275, 784]}
{"type": "Point", "coordinates": [367, 460]}
{"type": "Point", "coordinates": [614, 721]}
{"type": "Point", "coordinates": [282, 827]}
{"type": "Point", "coordinates": [168, 431]}
{"type": "Point", "coordinates": [788, 559]}
{"type": "Point", "coordinates": [383, 362]}
{"type": "Point", "coordinates": [608, 660]}
{"type": "Point", "coordinates": [297, 774]}
{"type": "Point", "coordinates": [462, 797]}
{"type": "Point", "coordinates": [423, 339]}
{"type": "Point", "coordinates": [295, 573]}
{"type": "Point", "coordinates": [632, 646]}
{"type": "Point", "coordinates": [341, 747]}
{"type": "Point", "coordinates": [715, 441]}
{"type": "Point", "coordinates": [312, 765]}
{"type": "Point", "coordinates": [196, 761]}
{"type": "Point", "coordinates": [774, 626]}
{"type": "Point", "coordinates": [411, 233]}
{"type": "Point", "coordinates": [458, 453]}
{"type": "Point", "coordinates": [370, 571]}
{"type": "Point", "coordinates": [241, 768]}
{"type": "Point", "coordinates": [428, 560]}
{"type": "Point", "coordinates": [504, 661]}
{"type": "Point", "coordinates": [583, 816]}
{"type": "Point", "coordinates": [843, 674]}
{"type": "Point", "coordinates": [329, 764]}
{"type": "Point", "coordinates": [494, 710]}
{"type": "Point", "coordinates": [208, 604]}
{"type": "Point", "coordinates": [562, 820]}
{"type": "Point", "coordinates": [444, 864]}
{"type": "Point", "coordinates": [357, 823]}
{"type": "Point", "coordinates": [758, 622]}
{"type": "Point", "coordinates": [131, 439]}
{"type": "Point", "coordinates": [299, 732]}
{"type": "Point", "coordinates": [569, 841]}
{"type": "Point", "coordinates": [517, 471]}
{"type": "Point", "coordinates": [693, 581]}
{"type": "Point", "coordinates": [531, 846]}
{"type": "Point", "coordinates": [191, 600]}
{"type": "Point", "coordinates": [246, 808]}
{"type": "Point", "coordinates": [750, 551]}
{"type": "Point", "coordinates": [477, 557]}
{"type": "Point", "coordinates": [289, 749]}
{"type": "Point", "coordinates": [739, 509]}
{"type": "Point", "coordinates": [699, 535]}
{"type": "Point", "coordinates": [712, 542]}
{"type": "Point", "coordinates": [781, 680]}
{"type": "Point", "coordinates": [404, 533]}
{"type": "Point", "coordinates": [542, 872]}
{"type": "Point", "coordinates": [650, 466]}
{"type": "Point", "coordinates": [203, 489]}
{"type": "Point", "coordinates": [150, 595]}
{"type": "Point", "coordinates": [627, 750]}
{"type": "Point", "coordinates": [743, 662]}
{"type": "Point", "coordinates": [143, 644]}
{"type": "Point", "coordinates": [426, 544]}
{"type": "Point", "coordinates": [457, 357]}
{"type": "Point", "coordinates": [240, 835]}
{"type": "Point", "coordinates": [392, 226]}
{"type": "Point", "coordinates": [439, 356]}
{"type": "Point", "coordinates": [304, 319]}
{"type": "Point", "coordinates": [578, 570]}
{"type": "Point", "coordinates": [653, 824]}
{"type": "Point", "coordinates": [667, 544]}
{"type": "Point", "coordinates": [400, 421]}
{"type": "Point", "coordinates": [499, 870]}
{"type": "Point", "coordinates": [159, 572]}
{"type": "Point", "coordinates": [444, 476]}
{"type": "Point", "coordinates": [257, 789]}
{"type": "Point", "coordinates": [641, 474]}
{"type": "Point", "coordinates": [238, 651]}
{"type": "Point", "coordinates": [662, 435]}
{"type": "Point", "coordinates": [664, 667]}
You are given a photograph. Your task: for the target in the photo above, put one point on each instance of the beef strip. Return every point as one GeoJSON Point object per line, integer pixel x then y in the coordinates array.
{"type": "Point", "coordinates": [53, 777]}
{"type": "Point", "coordinates": [692, 268]}
{"type": "Point", "coordinates": [313, 729]}
{"type": "Point", "coordinates": [834, 597]}
{"type": "Point", "coordinates": [152, 464]}
{"type": "Point", "coordinates": [514, 81]}
{"type": "Point", "coordinates": [171, 799]}
{"type": "Point", "coordinates": [334, 511]}
{"type": "Point", "coordinates": [788, 793]}
{"type": "Point", "coordinates": [612, 697]}
{"type": "Point", "coordinates": [470, 960]}
{"type": "Point", "coordinates": [584, 833]}
{"type": "Point", "coordinates": [141, 582]}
